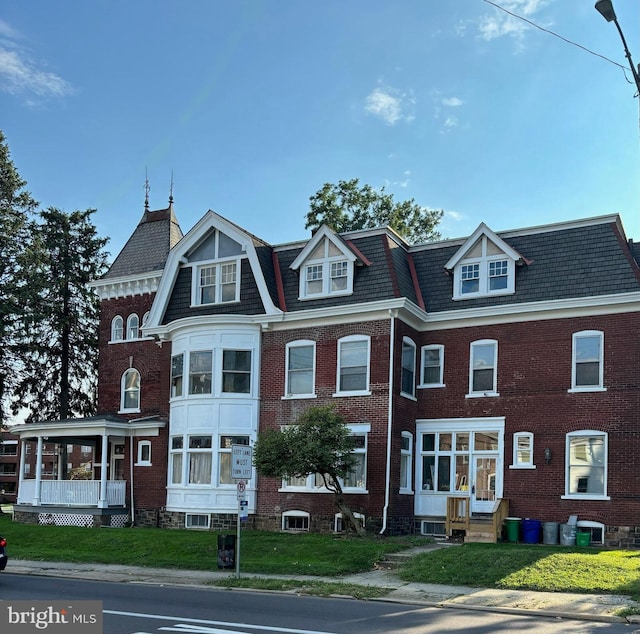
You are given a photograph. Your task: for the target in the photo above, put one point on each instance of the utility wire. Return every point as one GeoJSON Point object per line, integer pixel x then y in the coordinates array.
{"type": "Point", "coordinates": [564, 39]}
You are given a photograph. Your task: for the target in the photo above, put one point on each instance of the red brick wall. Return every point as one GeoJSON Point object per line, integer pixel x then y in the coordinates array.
{"type": "Point", "coordinates": [534, 374]}
{"type": "Point", "coordinates": [153, 362]}
{"type": "Point", "coordinates": [358, 409]}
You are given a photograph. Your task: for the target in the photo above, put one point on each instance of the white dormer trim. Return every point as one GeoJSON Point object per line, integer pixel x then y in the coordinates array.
{"type": "Point", "coordinates": [478, 270]}
{"type": "Point", "coordinates": [177, 258]}
{"type": "Point", "coordinates": [318, 274]}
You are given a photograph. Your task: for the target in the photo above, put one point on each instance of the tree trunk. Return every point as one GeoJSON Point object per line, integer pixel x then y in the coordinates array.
{"type": "Point", "coordinates": [347, 515]}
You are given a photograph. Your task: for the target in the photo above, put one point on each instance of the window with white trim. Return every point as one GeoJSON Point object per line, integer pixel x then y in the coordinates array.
{"type": "Point", "coordinates": [224, 457]}
{"type": "Point", "coordinates": [486, 270]}
{"type": "Point", "coordinates": [353, 365]}
{"type": "Point", "coordinates": [217, 283]}
{"type": "Point", "coordinates": [197, 521]}
{"type": "Point", "coordinates": [432, 366]}
{"type": "Point", "coordinates": [408, 375]}
{"type": "Point", "coordinates": [483, 363]}
{"type": "Point", "coordinates": [586, 464]}
{"type": "Point", "coordinates": [587, 368]}
{"type": "Point", "coordinates": [176, 459]}
{"type": "Point", "coordinates": [357, 479]}
{"type": "Point", "coordinates": [130, 391]}
{"type": "Point", "coordinates": [522, 450]}
{"type": "Point", "coordinates": [406, 461]}
{"type": "Point", "coordinates": [236, 371]}
{"type": "Point", "coordinates": [144, 453]}
{"type": "Point", "coordinates": [117, 328]}
{"type": "Point", "coordinates": [133, 327]}
{"type": "Point", "coordinates": [200, 372]}
{"type": "Point", "coordinates": [300, 369]}
{"type": "Point", "coordinates": [326, 272]}
{"type": "Point", "coordinates": [199, 459]}
{"type": "Point", "coordinates": [339, 524]}
{"type": "Point", "coordinates": [177, 374]}
{"type": "Point", "coordinates": [295, 521]}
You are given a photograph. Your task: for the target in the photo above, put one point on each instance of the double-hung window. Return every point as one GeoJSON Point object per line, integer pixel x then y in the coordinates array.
{"type": "Point", "coordinates": [587, 370]}
{"type": "Point", "coordinates": [236, 371]}
{"type": "Point", "coordinates": [483, 364]}
{"type": "Point", "coordinates": [200, 458]}
{"type": "Point", "coordinates": [175, 459]}
{"type": "Point", "coordinates": [200, 372]}
{"type": "Point", "coordinates": [117, 328]}
{"type": "Point", "coordinates": [133, 326]}
{"type": "Point", "coordinates": [300, 374]}
{"type": "Point", "coordinates": [130, 391]}
{"type": "Point", "coordinates": [406, 460]}
{"type": "Point", "coordinates": [217, 283]}
{"type": "Point", "coordinates": [224, 456]}
{"type": "Point", "coordinates": [177, 373]}
{"type": "Point", "coordinates": [522, 450]}
{"type": "Point", "coordinates": [586, 464]}
{"type": "Point", "coordinates": [353, 365]}
{"type": "Point", "coordinates": [357, 477]}
{"type": "Point", "coordinates": [408, 376]}
{"type": "Point", "coordinates": [432, 366]}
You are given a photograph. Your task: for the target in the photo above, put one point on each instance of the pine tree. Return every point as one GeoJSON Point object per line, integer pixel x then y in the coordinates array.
{"type": "Point", "coordinates": [59, 339]}
{"type": "Point", "coordinates": [16, 207]}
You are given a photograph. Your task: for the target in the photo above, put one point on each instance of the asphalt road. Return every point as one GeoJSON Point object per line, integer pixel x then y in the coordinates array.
{"type": "Point", "coordinates": [133, 608]}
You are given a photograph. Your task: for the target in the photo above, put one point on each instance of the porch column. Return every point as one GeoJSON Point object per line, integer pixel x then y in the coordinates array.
{"type": "Point", "coordinates": [23, 451]}
{"type": "Point", "coordinates": [102, 500]}
{"type": "Point", "coordinates": [38, 492]}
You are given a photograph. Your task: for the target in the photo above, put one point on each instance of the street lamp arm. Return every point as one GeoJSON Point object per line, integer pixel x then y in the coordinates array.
{"type": "Point", "coordinates": [628, 54]}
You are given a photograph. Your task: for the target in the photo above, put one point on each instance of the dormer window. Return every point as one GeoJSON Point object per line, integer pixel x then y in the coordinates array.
{"type": "Point", "coordinates": [484, 265]}
{"type": "Point", "coordinates": [326, 266]}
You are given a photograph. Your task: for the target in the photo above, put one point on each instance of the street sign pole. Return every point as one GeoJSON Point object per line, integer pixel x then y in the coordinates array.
{"type": "Point", "coordinates": [241, 470]}
{"type": "Point", "coordinates": [238, 542]}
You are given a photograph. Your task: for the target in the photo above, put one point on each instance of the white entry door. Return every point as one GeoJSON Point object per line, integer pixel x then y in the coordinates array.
{"type": "Point", "coordinates": [483, 483]}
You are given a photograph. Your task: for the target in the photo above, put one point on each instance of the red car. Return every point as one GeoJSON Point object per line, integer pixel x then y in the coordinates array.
{"type": "Point", "coordinates": [3, 553]}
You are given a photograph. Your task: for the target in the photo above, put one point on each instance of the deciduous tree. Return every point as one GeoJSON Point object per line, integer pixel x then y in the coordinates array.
{"type": "Point", "coordinates": [318, 442]}
{"type": "Point", "coordinates": [348, 206]}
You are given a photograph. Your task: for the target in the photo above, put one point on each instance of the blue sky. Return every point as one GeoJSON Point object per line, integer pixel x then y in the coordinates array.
{"type": "Point", "coordinates": [253, 105]}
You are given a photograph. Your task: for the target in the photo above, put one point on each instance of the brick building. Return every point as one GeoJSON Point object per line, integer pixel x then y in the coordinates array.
{"type": "Point", "coordinates": [482, 377]}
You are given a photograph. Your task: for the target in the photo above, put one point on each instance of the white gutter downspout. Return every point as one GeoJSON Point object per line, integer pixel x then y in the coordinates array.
{"type": "Point", "coordinates": [387, 492]}
{"type": "Point", "coordinates": [133, 511]}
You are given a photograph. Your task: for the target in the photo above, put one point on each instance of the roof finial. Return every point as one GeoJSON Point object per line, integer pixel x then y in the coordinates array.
{"type": "Point", "coordinates": [146, 190]}
{"type": "Point", "coordinates": [171, 190]}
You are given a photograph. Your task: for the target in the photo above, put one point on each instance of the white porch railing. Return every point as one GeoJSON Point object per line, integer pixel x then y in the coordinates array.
{"type": "Point", "coordinates": [72, 492]}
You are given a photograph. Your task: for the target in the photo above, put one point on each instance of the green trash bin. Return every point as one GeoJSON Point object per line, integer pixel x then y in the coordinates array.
{"type": "Point", "coordinates": [513, 528]}
{"type": "Point", "coordinates": [583, 538]}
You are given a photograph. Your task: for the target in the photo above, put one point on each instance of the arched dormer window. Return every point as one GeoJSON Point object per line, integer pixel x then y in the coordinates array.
{"type": "Point", "coordinates": [133, 326]}
{"type": "Point", "coordinates": [117, 328]}
{"type": "Point", "coordinates": [130, 391]}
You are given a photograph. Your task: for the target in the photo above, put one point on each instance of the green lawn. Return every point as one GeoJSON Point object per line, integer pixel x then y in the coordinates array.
{"type": "Point", "coordinates": [516, 566]}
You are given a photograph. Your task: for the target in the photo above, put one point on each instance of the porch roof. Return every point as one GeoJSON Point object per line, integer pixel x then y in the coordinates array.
{"type": "Point", "coordinates": [101, 425]}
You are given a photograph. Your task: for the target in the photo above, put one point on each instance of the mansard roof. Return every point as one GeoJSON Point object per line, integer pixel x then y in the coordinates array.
{"type": "Point", "coordinates": [567, 261]}
{"type": "Point", "coordinates": [149, 245]}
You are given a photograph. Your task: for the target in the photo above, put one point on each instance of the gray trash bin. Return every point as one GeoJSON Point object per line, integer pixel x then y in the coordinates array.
{"type": "Point", "coordinates": [568, 534]}
{"type": "Point", "coordinates": [550, 532]}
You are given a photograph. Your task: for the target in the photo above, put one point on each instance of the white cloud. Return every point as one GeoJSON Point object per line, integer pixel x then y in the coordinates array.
{"type": "Point", "coordinates": [499, 23]}
{"type": "Point", "coordinates": [390, 105]}
{"type": "Point", "coordinates": [452, 102]}
{"type": "Point", "coordinates": [19, 75]}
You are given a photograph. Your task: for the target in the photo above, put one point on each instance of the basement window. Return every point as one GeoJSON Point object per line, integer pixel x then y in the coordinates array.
{"type": "Point", "coordinates": [194, 521]}
{"type": "Point", "coordinates": [339, 525]}
{"type": "Point", "coordinates": [297, 521]}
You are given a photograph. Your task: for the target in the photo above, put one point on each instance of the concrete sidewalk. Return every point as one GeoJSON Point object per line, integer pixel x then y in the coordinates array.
{"type": "Point", "coordinates": [563, 605]}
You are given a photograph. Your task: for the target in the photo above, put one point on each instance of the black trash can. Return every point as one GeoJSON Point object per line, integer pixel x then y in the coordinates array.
{"type": "Point", "coordinates": [226, 551]}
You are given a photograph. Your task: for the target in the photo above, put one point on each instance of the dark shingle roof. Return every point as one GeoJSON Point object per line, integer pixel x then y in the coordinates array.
{"type": "Point", "coordinates": [149, 245]}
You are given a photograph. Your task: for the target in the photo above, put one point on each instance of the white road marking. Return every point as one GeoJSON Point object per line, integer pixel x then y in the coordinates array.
{"type": "Point", "coordinates": [183, 623]}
